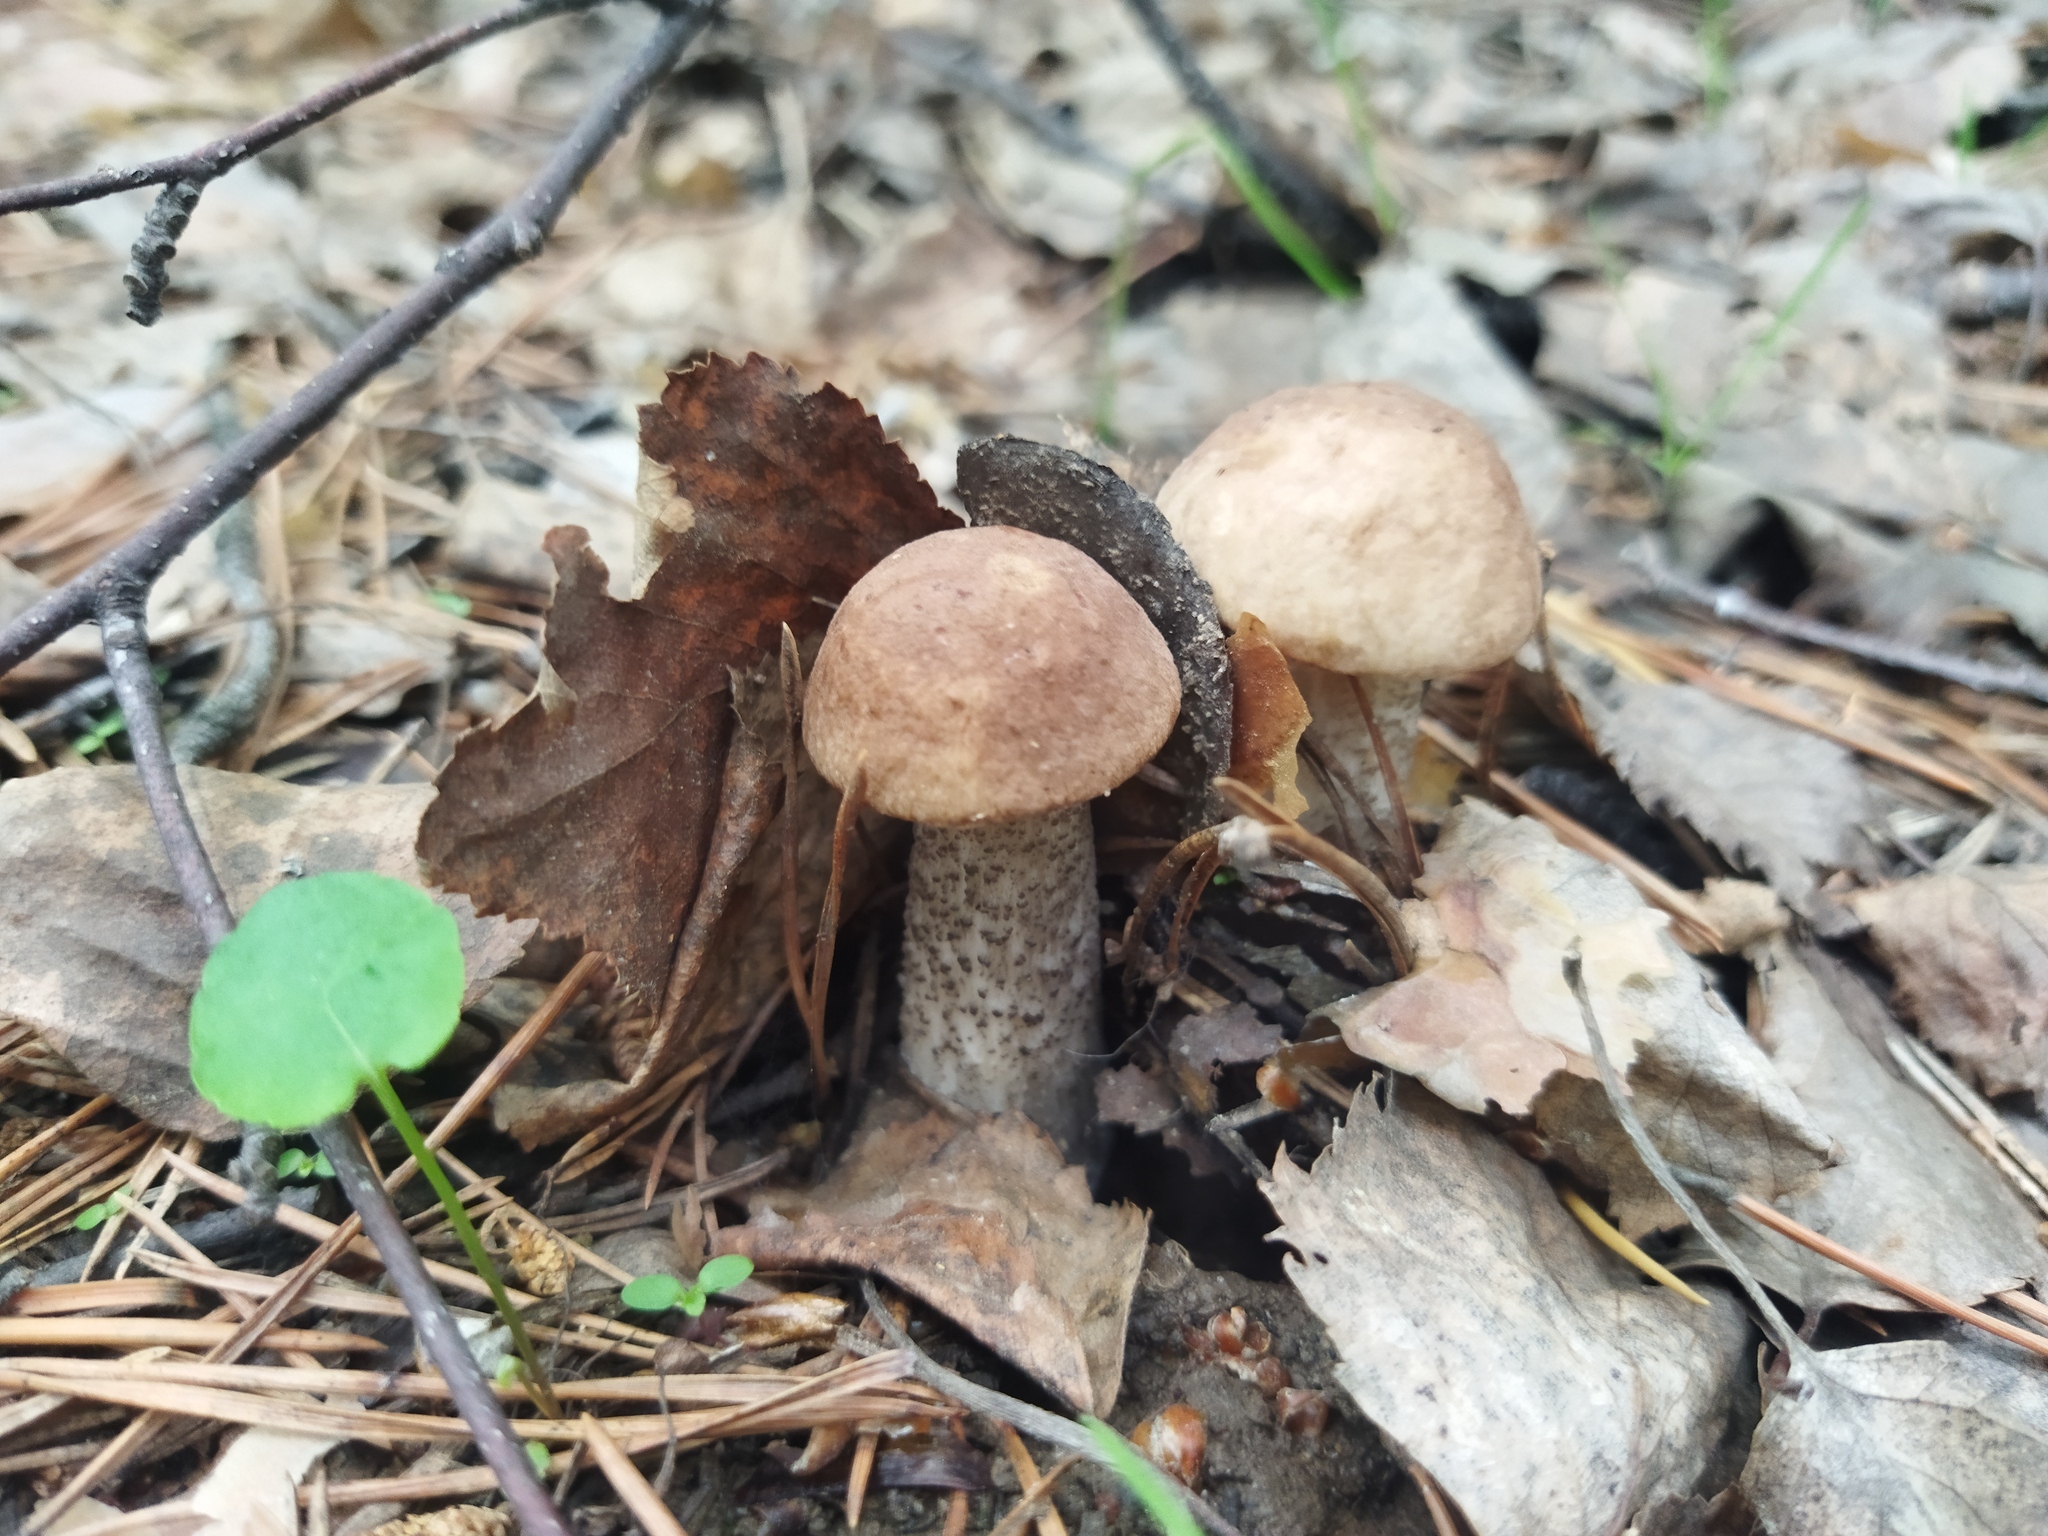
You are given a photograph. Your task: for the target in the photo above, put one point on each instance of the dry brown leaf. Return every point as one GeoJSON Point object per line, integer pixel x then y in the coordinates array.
{"type": "Point", "coordinates": [455, 1520]}
{"type": "Point", "coordinates": [102, 956]}
{"type": "Point", "coordinates": [1486, 1017]}
{"type": "Point", "coordinates": [1907, 1189]}
{"type": "Point", "coordinates": [252, 1489]}
{"type": "Point", "coordinates": [1129, 1095]}
{"type": "Point", "coordinates": [1773, 798]}
{"type": "Point", "coordinates": [1969, 954]}
{"type": "Point", "coordinates": [591, 809]}
{"type": "Point", "coordinates": [1539, 1380]}
{"type": "Point", "coordinates": [984, 1223]}
{"type": "Point", "coordinates": [1919, 1438]}
{"type": "Point", "coordinates": [1267, 717]}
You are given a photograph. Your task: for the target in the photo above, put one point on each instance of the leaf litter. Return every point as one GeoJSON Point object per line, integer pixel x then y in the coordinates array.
{"type": "Point", "coordinates": [1832, 405]}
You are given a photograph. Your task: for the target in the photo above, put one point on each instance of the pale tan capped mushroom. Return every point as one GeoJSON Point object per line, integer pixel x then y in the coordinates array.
{"type": "Point", "coordinates": [1378, 535]}
{"type": "Point", "coordinates": [989, 683]}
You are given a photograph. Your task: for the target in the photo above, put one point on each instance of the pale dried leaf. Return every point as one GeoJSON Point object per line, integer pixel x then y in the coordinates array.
{"type": "Point", "coordinates": [1129, 1095]}
{"type": "Point", "coordinates": [252, 1490]}
{"type": "Point", "coordinates": [102, 956]}
{"type": "Point", "coordinates": [1906, 1190]}
{"type": "Point", "coordinates": [983, 1223]}
{"type": "Point", "coordinates": [1486, 1017]}
{"type": "Point", "coordinates": [1918, 1438]}
{"type": "Point", "coordinates": [1770, 796]}
{"type": "Point", "coordinates": [455, 1520]}
{"type": "Point", "coordinates": [1535, 1376]}
{"type": "Point", "coordinates": [1969, 954]}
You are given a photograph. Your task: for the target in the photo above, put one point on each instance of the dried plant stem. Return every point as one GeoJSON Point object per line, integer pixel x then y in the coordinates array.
{"type": "Point", "coordinates": [513, 235]}
{"type": "Point", "coordinates": [1390, 779]}
{"type": "Point", "coordinates": [1034, 1503]}
{"type": "Point", "coordinates": [850, 805]}
{"type": "Point", "coordinates": [1610, 1237]}
{"type": "Point", "coordinates": [628, 1482]}
{"type": "Point", "coordinates": [1049, 1522]}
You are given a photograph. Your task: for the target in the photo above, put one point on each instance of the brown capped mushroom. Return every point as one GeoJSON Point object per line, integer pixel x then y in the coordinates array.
{"type": "Point", "coordinates": [987, 683]}
{"type": "Point", "coordinates": [1378, 535]}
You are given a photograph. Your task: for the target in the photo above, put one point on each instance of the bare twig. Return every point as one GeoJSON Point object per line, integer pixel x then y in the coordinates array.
{"type": "Point", "coordinates": [209, 161]}
{"type": "Point", "coordinates": [513, 235]}
{"type": "Point", "coordinates": [1738, 606]}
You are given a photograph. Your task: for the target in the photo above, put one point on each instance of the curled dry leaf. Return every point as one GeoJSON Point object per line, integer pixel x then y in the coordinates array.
{"type": "Point", "coordinates": [1772, 797]}
{"type": "Point", "coordinates": [592, 808]}
{"type": "Point", "coordinates": [1906, 1190]}
{"type": "Point", "coordinates": [1267, 717]}
{"type": "Point", "coordinates": [252, 1489]}
{"type": "Point", "coordinates": [1486, 1018]}
{"type": "Point", "coordinates": [1920, 1438]}
{"type": "Point", "coordinates": [1534, 1376]}
{"type": "Point", "coordinates": [1969, 955]}
{"type": "Point", "coordinates": [984, 1223]}
{"type": "Point", "coordinates": [1058, 493]}
{"type": "Point", "coordinates": [101, 956]}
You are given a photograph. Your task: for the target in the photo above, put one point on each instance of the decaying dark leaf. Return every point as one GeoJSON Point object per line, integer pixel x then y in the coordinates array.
{"type": "Point", "coordinates": [1268, 715]}
{"type": "Point", "coordinates": [1919, 1438]}
{"type": "Point", "coordinates": [1538, 1379]}
{"type": "Point", "coordinates": [1969, 954]}
{"type": "Point", "coordinates": [1486, 1017]}
{"type": "Point", "coordinates": [985, 1224]}
{"type": "Point", "coordinates": [101, 955]}
{"type": "Point", "coordinates": [591, 809]}
{"type": "Point", "coordinates": [1056, 492]}
{"type": "Point", "coordinates": [1906, 1190]}
{"type": "Point", "coordinates": [1772, 797]}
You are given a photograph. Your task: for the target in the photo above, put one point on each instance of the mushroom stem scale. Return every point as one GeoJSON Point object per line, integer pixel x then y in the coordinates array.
{"type": "Point", "coordinates": [1002, 967]}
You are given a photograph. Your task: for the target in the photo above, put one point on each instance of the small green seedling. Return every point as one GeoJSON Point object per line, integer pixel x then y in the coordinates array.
{"type": "Point", "coordinates": [1169, 1511]}
{"type": "Point", "coordinates": [658, 1293]}
{"type": "Point", "coordinates": [294, 1163]}
{"type": "Point", "coordinates": [93, 1215]}
{"type": "Point", "coordinates": [538, 1455]}
{"type": "Point", "coordinates": [327, 985]}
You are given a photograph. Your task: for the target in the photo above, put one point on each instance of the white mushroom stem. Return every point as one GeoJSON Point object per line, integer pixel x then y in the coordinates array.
{"type": "Point", "coordinates": [1002, 967]}
{"type": "Point", "coordinates": [1340, 728]}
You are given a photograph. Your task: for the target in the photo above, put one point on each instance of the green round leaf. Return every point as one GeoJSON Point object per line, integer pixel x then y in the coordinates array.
{"type": "Point", "coordinates": [291, 1162]}
{"type": "Point", "coordinates": [326, 981]}
{"type": "Point", "coordinates": [538, 1455]}
{"type": "Point", "coordinates": [653, 1293]}
{"type": "Point", "coordinates": [724, 1272]}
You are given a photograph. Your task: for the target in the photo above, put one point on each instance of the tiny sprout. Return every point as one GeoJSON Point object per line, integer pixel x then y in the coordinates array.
{"type": "Point", "coordinates": [538, 1455]}
{"type": "Point", "coordinates": [294, 1163]}
{"type": "Point", "coordinates": [658, 1293]}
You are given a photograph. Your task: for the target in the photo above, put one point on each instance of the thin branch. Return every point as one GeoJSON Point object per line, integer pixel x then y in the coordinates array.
{"type": "Point", "coordinates": [512, 236]}
{"type": "Point", "coordinates": [203, 164]}
{"type": "Point", "coordinates": [126, 645]}
{"type": "Point", "coordinates": [473, 1396]}
{"type": "Point", "coordinates": [1738, 606]}
{"type": "Point", "coordinates": [1328, 222]}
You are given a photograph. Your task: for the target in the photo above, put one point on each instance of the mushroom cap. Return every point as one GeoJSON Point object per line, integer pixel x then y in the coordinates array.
{"type": "Point", "coordinates": [988, 674]}
{"type": "Point", "coordinates": [1375, 530]}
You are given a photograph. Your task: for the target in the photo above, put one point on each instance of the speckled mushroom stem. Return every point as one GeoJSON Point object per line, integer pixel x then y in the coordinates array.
{"type": "Point", "coordinates": [1002, 968]}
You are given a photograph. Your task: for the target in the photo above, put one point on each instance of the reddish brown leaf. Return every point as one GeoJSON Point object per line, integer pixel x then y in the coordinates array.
{"type": "Point", "coordinates": [1268, 715]}
{"type": "Point", "coordinates": [591, 808]}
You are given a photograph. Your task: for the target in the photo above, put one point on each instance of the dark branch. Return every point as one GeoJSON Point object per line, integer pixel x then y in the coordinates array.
{"type": "Point", "coordinates": [223, 155]}
{"type": "Point", "coordinates": [126, 645]}
{"type": "Point", "coordinates": [510, 237]}
{"type": "Point", "coordinates": [474, 1399]}
{"type": "Point", "coordinates": [1334, 227]}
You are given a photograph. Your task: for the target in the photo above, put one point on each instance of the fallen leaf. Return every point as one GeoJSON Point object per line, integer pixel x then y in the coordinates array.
{"type": "Point", "coordinates": [1906, 1189]}
{"type": "Point", "coordinates": [1267, 717]}
{"type": "Point", "coordinates": [1486, 1018]}
{"type": "Point", "coordinates": [1969, 955]}
{"type": "Point", "coordinates": [102, 955]}
{"type": "Point", "coordinates": [252, 1490]}
{"type": "Point", "coordinates": [1203, 1042]}
{"type": "Point", "coordinates": [1129, 1095]}
{"type": "Point", "coordinates": [592, 808]}
{"type": "Point", "coordinates": [985, 1224]}
{"type": "Point", "coordinates": [1919, 1438]}
{"type": "Point", "coordinates": [1058, 493]}
{"type": "Point", "coordinates": [1772, 797]}
{"type": "Point", "coordinates": [1537, 1378]}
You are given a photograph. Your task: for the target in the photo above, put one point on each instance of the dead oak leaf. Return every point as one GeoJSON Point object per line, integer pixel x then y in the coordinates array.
{"type": "Point", "coordinates": [1968, 953]}
{"type": "Point", "coordinates": [984, 1223]}
{"type": "Point", "coordinates": [101, 955]}
{"type": "Point", "coordinates": [591, 808]}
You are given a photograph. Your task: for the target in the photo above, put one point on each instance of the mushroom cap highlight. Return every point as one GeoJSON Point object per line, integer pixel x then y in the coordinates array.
{"type": "Point", "coordinates": [988, 674]}
{"type": "Point", "coordinates": [1375, 530]}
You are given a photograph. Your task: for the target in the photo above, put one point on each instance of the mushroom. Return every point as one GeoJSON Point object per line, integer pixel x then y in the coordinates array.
{"type": "Point", "coordinates": [986, 683]}
{"type": "Point", "coordinates": [1378, 535]}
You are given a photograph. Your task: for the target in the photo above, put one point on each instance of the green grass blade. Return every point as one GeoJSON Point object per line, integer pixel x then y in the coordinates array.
{"type": "Point", "coordinates": [1278, 222]}
{"type": "Point", "coordinates": [1161, 1500]}
{"type": "Point", "coordinates": [1386, 208]}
